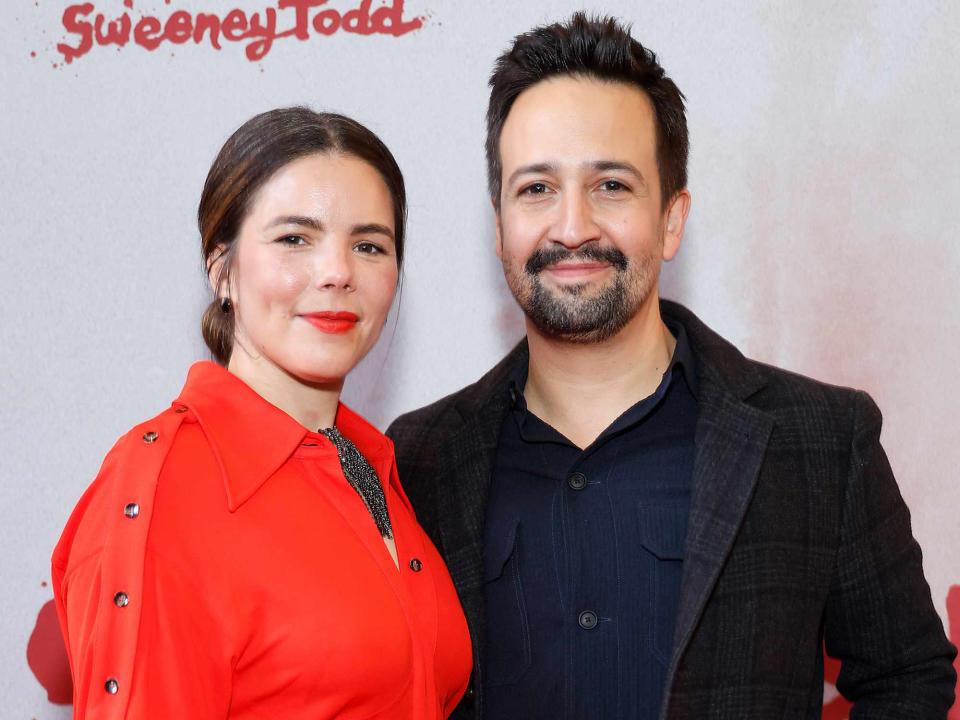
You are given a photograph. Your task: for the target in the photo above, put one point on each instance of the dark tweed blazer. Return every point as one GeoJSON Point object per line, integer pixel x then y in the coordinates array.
{"type": "Point", "coordinates": [797, 536]}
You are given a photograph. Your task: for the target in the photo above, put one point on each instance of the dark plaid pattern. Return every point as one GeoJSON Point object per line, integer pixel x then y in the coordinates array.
{"type": "Point", "coordinates": [797, 536]}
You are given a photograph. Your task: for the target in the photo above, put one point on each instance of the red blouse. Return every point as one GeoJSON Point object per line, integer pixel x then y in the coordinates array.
{"type": "Point", "coordinates": [220, 566]}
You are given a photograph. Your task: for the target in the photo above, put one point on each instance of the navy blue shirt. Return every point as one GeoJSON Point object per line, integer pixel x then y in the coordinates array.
{"type": "Point", "coordinates": [583, 551]}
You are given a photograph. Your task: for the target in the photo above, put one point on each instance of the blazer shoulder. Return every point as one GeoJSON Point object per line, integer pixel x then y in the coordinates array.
{"type": "Point", "coordinates": [438, 416]}
{"type": "Point", "coordinates": [446, 415]}
{"type": "Point", "coordinates": [777, 391]}
{"type": "Point", "coordinates": [791, 395]}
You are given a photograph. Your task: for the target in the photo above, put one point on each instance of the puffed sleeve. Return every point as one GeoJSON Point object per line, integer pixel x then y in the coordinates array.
{"type": "Point", "coordinates": [180, 668]}
{"type": "Point", "coordinates": [141, 637]}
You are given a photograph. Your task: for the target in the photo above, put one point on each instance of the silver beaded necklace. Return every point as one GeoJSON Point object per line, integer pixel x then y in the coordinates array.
{"type": "Point", "coordinates": [362, 478]}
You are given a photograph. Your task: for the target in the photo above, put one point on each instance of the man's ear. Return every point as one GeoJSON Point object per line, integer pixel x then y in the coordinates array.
{"type": "Point", "coordinates": [496, 226]}
{"type": "Point", "coordinates": [675, 221]}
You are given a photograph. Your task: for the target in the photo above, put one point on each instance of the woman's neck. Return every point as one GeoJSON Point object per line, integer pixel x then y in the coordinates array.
{"type": "Point", "coordinates": [312, 405]}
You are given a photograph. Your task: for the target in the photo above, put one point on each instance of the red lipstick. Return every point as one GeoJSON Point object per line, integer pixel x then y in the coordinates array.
{"type": "Point", "coordinates": [332, 322]}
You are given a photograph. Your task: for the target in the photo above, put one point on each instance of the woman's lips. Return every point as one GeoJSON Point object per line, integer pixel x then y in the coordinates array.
{"type": "Point", "coordinates": [332, 322]}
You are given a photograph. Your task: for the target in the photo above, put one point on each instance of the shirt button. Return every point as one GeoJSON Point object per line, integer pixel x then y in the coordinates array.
{"type": "Point", "coordinates": [111, 686]}
{"type": "Point", "coordinates": [150, 437]}
{"type": "Point", "coordinates": [577, 481]}
{"type": "Point", "coordinates": [121, 599]}
{"type": "Point", "coordinates": [588, 620]}
{"type": "Point", "coordinates": [416, 565]}
{"type": "Point", "coordinates": [131, 510]}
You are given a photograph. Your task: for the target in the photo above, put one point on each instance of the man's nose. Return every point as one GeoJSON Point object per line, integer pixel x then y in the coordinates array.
{"type": "Point", "coordinates": [576, 224]}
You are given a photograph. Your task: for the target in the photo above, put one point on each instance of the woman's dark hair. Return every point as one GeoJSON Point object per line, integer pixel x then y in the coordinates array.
{"type": "Point", "coordinates": [593, 47]}
{"type": "Point", "coordinates": [259, 148]}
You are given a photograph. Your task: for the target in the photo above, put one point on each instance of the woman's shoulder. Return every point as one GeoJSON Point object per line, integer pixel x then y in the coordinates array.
{"type": "Point", "coordinates": [118, 504]}
{"type": "Point", "coordinates": [108, 580]}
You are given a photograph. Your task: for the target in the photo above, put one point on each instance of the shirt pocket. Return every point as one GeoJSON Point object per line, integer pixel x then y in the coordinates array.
{"type": "Point", "coordinates": [508, 653]}
{"type": "Point", "coordinates": [663, 532]}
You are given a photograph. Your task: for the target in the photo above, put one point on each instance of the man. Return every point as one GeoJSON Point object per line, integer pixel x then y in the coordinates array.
{"type": "Point", "coordinates": [641, 522]}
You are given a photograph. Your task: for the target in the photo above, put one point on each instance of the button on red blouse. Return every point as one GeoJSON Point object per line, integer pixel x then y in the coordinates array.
{"type": "Point", "coordinates": [220, 566]}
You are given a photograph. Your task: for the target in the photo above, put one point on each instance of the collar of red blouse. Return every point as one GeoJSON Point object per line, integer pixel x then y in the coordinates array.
{"type": "Point", "coordinates": [251, 438]}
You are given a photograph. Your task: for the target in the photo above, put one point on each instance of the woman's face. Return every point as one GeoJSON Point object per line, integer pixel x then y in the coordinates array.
{"type": "Point", "coordinates": [314, 270]}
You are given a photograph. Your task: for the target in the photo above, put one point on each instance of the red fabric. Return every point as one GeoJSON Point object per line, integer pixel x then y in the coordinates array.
{"type": "Point", "coordinates": [258, 584]}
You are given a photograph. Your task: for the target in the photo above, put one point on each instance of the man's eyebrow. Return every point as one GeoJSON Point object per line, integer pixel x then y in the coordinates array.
{"type": "Point", "coordinates": [597, 165]}
{"type": "Point", "coordinates": [618, 165]}
{"type": "Point", "coordinates": [301, 220]}
{"type": "Point", "coordinates": [372, 228]}
{"type": "Point", "coordinates": [531, 169]}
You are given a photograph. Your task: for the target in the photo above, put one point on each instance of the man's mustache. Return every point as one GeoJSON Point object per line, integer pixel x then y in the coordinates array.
{"type": "Point", "coordinates": [544, 257]}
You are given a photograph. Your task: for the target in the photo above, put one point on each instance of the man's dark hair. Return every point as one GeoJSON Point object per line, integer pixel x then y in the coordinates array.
{"type": "Point", "coordinates": [591, 47]}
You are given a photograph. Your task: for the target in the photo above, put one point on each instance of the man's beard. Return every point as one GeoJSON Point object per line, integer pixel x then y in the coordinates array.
{"type": "Point", "coordinates": [572, 312]}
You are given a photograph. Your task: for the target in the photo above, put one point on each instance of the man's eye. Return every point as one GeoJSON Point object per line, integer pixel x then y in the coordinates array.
{"type": "Point", "coordinates": [292, 240]}
{"type": "Point", "coordinates": [368, 248]}
{"type": "Point", "coordinates": [534, 189]}
{"type": "Point", "coordinates": [612, 186]}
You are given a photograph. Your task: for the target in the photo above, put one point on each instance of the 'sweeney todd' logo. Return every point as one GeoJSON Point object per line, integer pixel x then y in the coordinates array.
{"type": "Point", "coordinates": [89, 27]}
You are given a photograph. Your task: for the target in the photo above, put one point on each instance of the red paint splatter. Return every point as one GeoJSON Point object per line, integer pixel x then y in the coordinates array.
{"type": "Point", "coordinates": [838, 708]}
{"type": "Point", "coordinates": [33, 53]}
{"type": "Point", "coordinates": [953, 618]}
{"type": "Point", "coordinates": [47, 657]}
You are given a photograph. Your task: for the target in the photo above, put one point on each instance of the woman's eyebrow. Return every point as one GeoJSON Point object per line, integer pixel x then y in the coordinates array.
{"type": "Point", "coordinates": [301, 220]}
{"type": "Point", "coordinates": [372, 228]}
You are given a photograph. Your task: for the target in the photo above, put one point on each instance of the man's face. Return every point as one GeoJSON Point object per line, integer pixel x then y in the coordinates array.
{"type": "Point", "coordinates": [581, 230]}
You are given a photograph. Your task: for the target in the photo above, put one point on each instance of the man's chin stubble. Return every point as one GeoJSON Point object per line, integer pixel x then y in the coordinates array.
{"type": "Point", "coordinates": [572, 314]}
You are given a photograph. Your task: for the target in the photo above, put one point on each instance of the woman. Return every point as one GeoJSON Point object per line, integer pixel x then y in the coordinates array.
{"type": "Point", "coordinates": [249, 553]}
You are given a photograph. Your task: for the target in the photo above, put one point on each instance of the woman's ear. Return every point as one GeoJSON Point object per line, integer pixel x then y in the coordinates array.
{"type": "Point", "coordinates": [215, 270]}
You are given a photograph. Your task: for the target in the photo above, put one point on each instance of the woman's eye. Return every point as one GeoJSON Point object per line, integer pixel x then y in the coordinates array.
{"type": "Point", "coordinates": [368, 248]}
{"type": "Point", "coordinates": [612, 186]}
{"type": "Point", "coordinates": [292, 240]}
{"type": "Point", "coordinates": [534, 189]}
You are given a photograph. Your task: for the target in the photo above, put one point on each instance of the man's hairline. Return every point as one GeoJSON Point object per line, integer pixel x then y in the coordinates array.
{"type": "Point", "coordinates": [582, 75]}
{"type": "Point", "coordinates": [576, 75]}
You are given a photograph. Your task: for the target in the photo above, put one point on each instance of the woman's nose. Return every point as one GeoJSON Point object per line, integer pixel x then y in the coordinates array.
{"type": "Point", "coordinates": [333, 267]}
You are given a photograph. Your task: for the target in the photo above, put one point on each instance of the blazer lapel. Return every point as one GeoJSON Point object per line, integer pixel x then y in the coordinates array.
{"type": "Point", "coordinates": [466, 466]}
{"type": "Point", "coordinates": [731, 440]}
{"type": "Point", "coordinates": [466, 462]}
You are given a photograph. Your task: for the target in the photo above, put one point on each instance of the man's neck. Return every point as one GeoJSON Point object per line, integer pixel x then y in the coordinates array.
{"type": "Point", "coordinates": [580, 389]}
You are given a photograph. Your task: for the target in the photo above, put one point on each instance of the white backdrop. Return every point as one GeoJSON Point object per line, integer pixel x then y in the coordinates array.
{"type": "Point", "coordinates": [824, 172]}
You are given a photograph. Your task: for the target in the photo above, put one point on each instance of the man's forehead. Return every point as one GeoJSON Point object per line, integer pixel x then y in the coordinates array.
{"type": "Point", "coordinates": [578, 119]}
